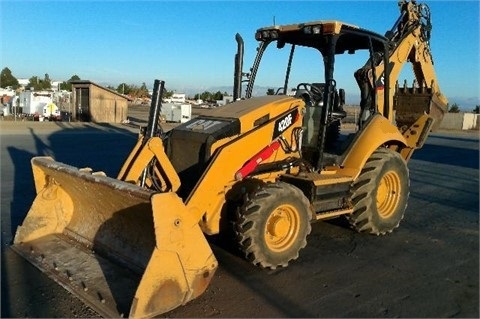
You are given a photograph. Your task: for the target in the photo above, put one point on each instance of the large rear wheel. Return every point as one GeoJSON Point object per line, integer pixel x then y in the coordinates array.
{"type": "Point", "coordinates": [380, 193]}
{"type": "Point", "coordinates": [272, 225]}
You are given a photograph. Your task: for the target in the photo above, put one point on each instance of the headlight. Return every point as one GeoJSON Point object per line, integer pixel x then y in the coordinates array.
{"type": "Point", "coordinates": [312, 29]}
{"type": "Point", "coordinates": [263, 35]}
{"type": "Point", "coordinates": [307, 29]}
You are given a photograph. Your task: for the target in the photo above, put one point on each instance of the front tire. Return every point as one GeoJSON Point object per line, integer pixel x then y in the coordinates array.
{"type": "Point", "coordinates": [380, 193]}
{"type": "Point", "coordinates": [273, 224]}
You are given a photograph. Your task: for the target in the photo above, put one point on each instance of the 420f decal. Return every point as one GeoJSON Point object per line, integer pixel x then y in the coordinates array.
{"type": "Point", "coordinates": [283, 123]}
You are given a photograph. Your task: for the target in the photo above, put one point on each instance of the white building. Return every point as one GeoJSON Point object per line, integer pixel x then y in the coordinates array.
{"type": "Point", "coordinates": [226, 99]}
{"type": "Point", "coordinates": [8, 91]}
{"type": "Point", "coordinates": [23, 82]}
{"type": "Point", "coordinates": [33, 102]}
{"type": "Point", "coordinates": [176, 112]}
{"type": "Point", "coordinates": [177, 98]}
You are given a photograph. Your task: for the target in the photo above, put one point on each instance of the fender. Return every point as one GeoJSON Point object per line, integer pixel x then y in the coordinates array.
{"type": "Point", "coordinates": [378, 131]}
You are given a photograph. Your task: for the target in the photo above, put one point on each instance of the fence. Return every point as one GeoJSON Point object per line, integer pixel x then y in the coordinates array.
{"type": "Point", "coordinates": [460, 121]}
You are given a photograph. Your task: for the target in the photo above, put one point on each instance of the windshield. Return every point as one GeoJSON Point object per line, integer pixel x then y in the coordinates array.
{"type": "Point", "coordinates": [307, 66]}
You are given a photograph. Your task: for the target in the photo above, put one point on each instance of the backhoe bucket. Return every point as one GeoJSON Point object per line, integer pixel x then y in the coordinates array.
{"type": "Point", "coordinates": [122, 249]}
{"type": "Point", "coordinates": [412, 103]}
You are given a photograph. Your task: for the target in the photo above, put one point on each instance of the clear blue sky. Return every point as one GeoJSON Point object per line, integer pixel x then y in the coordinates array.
{"type": "Point", "coordinates": [190, 44]}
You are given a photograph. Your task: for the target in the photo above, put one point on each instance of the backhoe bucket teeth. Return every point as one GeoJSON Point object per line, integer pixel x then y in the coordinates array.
{"type": "Point", "coordinates": [410, 105]}
{"type": "Point", "coordinates": [122, 249]}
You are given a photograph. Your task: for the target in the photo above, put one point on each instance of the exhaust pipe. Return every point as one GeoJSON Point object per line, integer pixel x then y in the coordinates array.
{"type": "Point", "coordinates": [238, 73]}
{"type": "Point", "coordinates": [153, 126]}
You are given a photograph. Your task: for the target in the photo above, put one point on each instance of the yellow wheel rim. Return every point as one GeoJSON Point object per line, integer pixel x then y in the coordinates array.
{"type": "Point", "coordinates": [388, 194]}
{"type": "Point", "coordinates": [282, 227]}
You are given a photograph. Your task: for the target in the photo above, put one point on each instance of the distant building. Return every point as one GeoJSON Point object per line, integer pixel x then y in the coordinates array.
{"type": "Point", "coordinates": [6, 95]}
{"type": "Point", "coordinates": [94, 103]}
{"type": "Point", "coordinates": [23, 83]}
{"type": "Point", "coordinates": [56, 85]}
{"type": "Point", "coordinates": [176, 112]}
{"type": "Point", "coordinates": [177, 98]}
{"type": "Point", "coordinates": [8, 91]}
{"type": "Point", "coordinates": [226, 99]}
{"type": "Point", "coordinates": [33, 102]}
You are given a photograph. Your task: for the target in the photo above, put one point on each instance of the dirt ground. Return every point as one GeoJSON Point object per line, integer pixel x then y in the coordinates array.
{"type": "Point", "coordinates": [428, 267]}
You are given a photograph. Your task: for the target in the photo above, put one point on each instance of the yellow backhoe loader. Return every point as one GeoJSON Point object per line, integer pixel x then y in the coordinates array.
{"type": "Point", "coordinates": [135, 245]}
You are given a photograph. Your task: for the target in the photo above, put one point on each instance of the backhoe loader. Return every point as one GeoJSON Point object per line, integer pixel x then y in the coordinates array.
{"type": "Point", "coordinates": [268, 166]}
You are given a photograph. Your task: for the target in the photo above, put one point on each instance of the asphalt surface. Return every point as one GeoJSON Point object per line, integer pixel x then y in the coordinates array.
{"type": "Point", "coordinates": [428, 267]}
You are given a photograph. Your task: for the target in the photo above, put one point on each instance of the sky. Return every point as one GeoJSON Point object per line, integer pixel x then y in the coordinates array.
{"type": "Point", "coordinates": [191, 44]}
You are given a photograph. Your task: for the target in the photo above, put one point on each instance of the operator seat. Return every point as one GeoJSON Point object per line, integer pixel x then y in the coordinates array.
{"type": "Point", "coordinates": [312, 116]}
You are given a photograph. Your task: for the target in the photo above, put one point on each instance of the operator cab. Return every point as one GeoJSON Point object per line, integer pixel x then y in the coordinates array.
{"type": "Point", "coordinates": [336, 46]}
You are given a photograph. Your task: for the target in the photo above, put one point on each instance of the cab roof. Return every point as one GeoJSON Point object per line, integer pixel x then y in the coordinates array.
{"type": "Point", "coordinates": [314, 34]}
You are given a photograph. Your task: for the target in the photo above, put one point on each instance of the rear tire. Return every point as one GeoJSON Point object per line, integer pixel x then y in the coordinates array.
{"type": "Point", "coordinates": [380, 193]}
{"type": "Point", "coordinates": [273, 224]}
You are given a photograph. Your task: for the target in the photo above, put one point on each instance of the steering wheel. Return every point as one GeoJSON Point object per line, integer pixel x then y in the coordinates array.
{"type": "Point", "coordinates": [314, 92]}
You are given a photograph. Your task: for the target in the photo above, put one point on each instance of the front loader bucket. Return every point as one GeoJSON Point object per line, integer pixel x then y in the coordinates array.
{"type": "Point", "coordinates": [122, 249]}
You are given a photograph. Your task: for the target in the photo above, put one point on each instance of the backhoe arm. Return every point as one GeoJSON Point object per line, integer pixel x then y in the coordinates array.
{"type": "Point", "coordinates": [408, 42]}
{"type": "Point", "coordinates": [411, 43]}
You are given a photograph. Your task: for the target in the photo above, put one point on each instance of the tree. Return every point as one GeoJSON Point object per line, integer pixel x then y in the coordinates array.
{"type": "Point", "coordinates": [207, 96]}
{"type": "Point", "coordinates": [476, 110]}
{"type": "Point", "coordinates": [143, 91]}
{"type": "Point", "coordinates": [167, 94]}
{"type": "Point", "coordinates": [454, 108]}
{"type": "Point", "coordinates": [39, 84]}
{"type": "Point", "coordinates": [7, 79]}
{"type": "Point", "coordinates": [46, 83]}
{"type": "Point", "coordinates": [68, 85]}
{"type": "Point", "coordinates": [123, 88]}
{"type": "Point", "coordinates": [270, 92]}
{"type": "Point", "coordinates": [133, 90]}
{"type": "Point", "coordinates": [34, 83]}
{"type": "Point", "coordinates": [218, 96]}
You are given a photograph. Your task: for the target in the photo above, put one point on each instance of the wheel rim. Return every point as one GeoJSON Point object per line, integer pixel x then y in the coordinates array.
{"type": "Point", "coordinates": [388, 194]}
{"type": "Point", "coordinates": [282, 228]}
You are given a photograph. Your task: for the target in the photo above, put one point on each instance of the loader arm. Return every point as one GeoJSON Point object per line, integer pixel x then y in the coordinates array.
{"type": "Point", "coordinates": [150, 155]}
